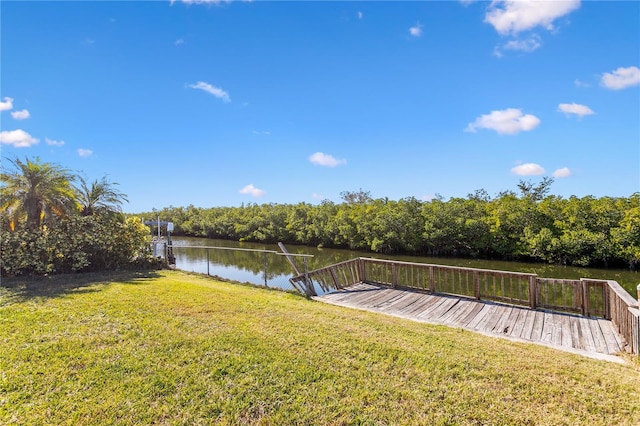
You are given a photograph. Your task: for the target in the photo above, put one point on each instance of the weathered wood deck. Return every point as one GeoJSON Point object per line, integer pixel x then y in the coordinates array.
{"type": "Point", "coordinates": [589, 336]}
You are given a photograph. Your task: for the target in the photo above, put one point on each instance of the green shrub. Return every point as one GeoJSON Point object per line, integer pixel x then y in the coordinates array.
{"type": "Point", "coordinates": [76, 243]}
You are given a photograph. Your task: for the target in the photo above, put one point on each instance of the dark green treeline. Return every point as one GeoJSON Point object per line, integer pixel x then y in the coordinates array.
{"type": "Point", "coordinates": [529, 225]}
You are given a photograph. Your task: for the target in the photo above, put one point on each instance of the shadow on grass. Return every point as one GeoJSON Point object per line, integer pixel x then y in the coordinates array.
{"type": "Point", "coordinates": [19, 289]}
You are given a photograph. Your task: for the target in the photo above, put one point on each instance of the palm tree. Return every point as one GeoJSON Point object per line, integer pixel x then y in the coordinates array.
{"type": "Point", "coordinates": [36, 191]}
{"type": "Point", "coordinates": [100, 196]}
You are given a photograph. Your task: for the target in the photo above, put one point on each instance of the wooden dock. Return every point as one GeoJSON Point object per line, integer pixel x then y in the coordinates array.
{"type": "Point", "coordinates": [589, 336]}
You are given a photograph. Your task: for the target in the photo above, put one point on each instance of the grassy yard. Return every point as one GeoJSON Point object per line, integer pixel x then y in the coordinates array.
{"type": "Point", "coordinates": [173, 348]}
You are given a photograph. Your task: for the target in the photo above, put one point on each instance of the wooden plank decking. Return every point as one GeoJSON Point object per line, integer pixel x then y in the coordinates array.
{"type": "Point", "coordinates": [594, 337]}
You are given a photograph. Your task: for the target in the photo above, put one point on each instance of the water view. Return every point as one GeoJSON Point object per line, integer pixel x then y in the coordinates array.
{"type": "Point", "coordinates": [273, 270]}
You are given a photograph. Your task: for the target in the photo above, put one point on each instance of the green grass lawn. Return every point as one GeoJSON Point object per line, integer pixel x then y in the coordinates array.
{"type": "Point", "coordinates": [174, 348]}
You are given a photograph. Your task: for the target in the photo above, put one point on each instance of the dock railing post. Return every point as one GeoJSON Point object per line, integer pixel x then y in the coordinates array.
{"type": "Point", "coordinates": [476, 284]}
{"type": "Point", "coordinates": [394, 276]}
{"type": "Point", "coordinates": [432, 280]}
{"type": "Point", "coordinates": [606, 291]}
{"type": "Point", "coordinates": [311, 290]}
{"type": "Point", "coordinates": [585, 297]}
{"type": "Point", "coordinates": [361, 270]}
{"type": "Point", "coordinates": [334, 278]}
{"type": "Point", "coordinates": [532, 291]}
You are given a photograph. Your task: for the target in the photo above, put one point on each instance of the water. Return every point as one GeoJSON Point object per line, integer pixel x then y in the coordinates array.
{"type": "Point", "coordinates": [248, 266]}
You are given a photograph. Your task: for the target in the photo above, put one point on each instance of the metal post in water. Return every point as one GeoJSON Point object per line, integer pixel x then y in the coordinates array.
{"type": "Point", "coordinates": [208, 262]}
{"type": "Point", "coordinates": [265, 269]}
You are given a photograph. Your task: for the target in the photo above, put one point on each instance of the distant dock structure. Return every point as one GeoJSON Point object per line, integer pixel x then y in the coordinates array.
{"type": "Point", "coordinates": [161, 244]}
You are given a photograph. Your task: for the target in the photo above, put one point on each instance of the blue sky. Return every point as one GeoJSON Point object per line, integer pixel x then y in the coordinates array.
{"type": "Point", "coordinates": [223, 103]}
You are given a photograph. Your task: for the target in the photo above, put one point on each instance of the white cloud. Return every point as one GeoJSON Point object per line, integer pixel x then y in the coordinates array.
{"type": "Point", "coordinates": [178, 42]}
{"type": "Point", "coordinates": [18, 138]}
{"type": "Point", "coordinates": [53, 143]}
{"type": "Point", "coordinates": [6, 103]}
{"type": "Point", "coordinates": [514, 16]}
{"type": "Point", "coordinates": [20, 115]}
{"type": "Point", "coordinates": [577, 109]}
{"type": "Point", "coordinates": [506, 122]}
{"type": "Point", "coordinates": [528, 45]}
{"type": "Point", "coordinates": [85, 152]}
{"type": "Point", "coordinates": [528, 169]}
{"type": "Point", "coordinates": [252, 190]}
{"type": "Point", "coordinates": [562, 173]}
{"type": "Point", "coordinates": [621, 78]}
{"type": "Point", "coordinates": [579, 83]}
{"type": "Point", "coordinates": [317, 196]}
{"type": "Point", "coordinates": [427, 197]}
{"type": "Point", "coordinates": [322, 159]}
{"type": "Point", "coordinates": [360, 15]}
{"type": "Point", "coordinates": [416, 30]}
{"type": "Point", "coordinates": [213, 90]}
{"type": "Point", "coordinates": [261, 132]}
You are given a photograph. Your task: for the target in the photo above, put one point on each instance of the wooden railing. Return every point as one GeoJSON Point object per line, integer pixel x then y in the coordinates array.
{"type": "Point", "coordinates": [584, 296]}
{"type": "Point", "coordinates": [625, 316]}
{"type": "Point", "coordinates": [510, 287]}
{"type": "Point", "coordinates": [332, 277]}
{"type": "Point", "coordinates": [589, 297]}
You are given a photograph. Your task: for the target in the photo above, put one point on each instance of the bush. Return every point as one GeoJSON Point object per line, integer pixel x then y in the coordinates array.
{"type": "Point", "coordinates": [74, 244]}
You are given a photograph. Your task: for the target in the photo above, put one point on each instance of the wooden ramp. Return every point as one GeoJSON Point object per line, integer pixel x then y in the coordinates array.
{"type": "Point", "coordinates": [589, 336]}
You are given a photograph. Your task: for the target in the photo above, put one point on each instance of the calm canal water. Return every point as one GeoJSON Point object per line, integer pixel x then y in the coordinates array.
{"type": "Point", "coordinates": [249, 266]}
